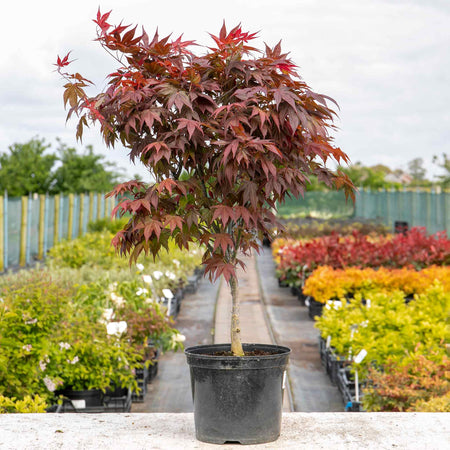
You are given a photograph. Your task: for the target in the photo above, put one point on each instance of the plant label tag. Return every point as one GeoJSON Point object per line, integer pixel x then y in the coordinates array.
{"type": "Point", "coordinates": [284, 381]}
{"type": "Point", "coordinates": [168, 293]}
{"type": "Point", "coordinates": [79, 404]}
{"type": "Point", "coordinates": [328, 343]}
{"type": "Point", "coordinates": [368, 303]}
{"type": "Point", "coordinates": [360, 356]}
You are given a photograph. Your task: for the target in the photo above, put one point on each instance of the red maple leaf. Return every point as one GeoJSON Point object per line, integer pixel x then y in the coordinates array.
{"type": "Point", "coordinates": [60, 63]}
{"type": "Point", "coordinates": [101, 21]}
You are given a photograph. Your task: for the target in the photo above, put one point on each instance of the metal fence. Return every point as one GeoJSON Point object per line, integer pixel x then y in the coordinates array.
{"type": "Point", "coordinates": [428, 208]}
{"type": "Point", "coordinates": [30, 225]}
{"type": "Point", "coordinates": [319, 204]}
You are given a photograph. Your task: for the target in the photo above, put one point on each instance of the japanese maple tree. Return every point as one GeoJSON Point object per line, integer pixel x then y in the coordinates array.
{"type": "Point", "coordinates": [225, 133]}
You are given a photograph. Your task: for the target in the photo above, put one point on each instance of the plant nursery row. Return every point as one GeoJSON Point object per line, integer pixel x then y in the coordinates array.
{"type": "Point", "coordinates": [382, 306]}
{"type": "Point", "coordinates": [84, 331]}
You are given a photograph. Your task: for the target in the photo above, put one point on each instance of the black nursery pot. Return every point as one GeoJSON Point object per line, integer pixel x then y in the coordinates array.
{"type": "Point", "coordinates": [237, 399]}
{"type": "Point", "coordinates": [92, 397]}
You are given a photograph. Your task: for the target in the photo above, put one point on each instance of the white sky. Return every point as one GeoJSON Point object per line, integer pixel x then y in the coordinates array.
{"type": "Point", "coordinates": [386, 62]}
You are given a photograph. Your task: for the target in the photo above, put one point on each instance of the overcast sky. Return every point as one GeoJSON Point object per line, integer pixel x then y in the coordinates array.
{"type": "Point", "coordinates": [386, 63]}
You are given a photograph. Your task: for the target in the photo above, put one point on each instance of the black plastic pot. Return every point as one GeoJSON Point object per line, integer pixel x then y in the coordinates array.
{"type": "Point", "coordinates": [314, 308]}
{"type": "Point", "coordinates": [92, 397]}
{"type": "Point", "coordinates": [237, 399]}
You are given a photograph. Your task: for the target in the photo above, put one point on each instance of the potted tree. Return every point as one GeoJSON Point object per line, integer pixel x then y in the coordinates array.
{"type": "Point", "coordinates": [225, 134]}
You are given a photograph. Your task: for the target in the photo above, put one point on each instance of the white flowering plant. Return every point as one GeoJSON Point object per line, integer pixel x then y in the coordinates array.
{"type": "Point", "coordinates": [31, 309]}
{"type": "Point", "coordinates": [48, 342]}
{"type": "Point", "coordinates": [84, 356]}
{"type": "Point", "coordinates": [54, 324]}
{"type": "Point", "coordinates": [135, 303]}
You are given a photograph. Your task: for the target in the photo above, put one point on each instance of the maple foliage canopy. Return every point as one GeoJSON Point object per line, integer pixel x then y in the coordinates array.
{"type": "Point", "coordinates": [225, 134]}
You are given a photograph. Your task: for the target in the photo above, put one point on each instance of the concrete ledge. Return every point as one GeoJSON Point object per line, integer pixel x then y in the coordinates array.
{"type": "Point", "coordinates": [176, 431]}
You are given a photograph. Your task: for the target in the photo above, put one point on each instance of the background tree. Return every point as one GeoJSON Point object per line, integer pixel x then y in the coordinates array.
{"type": "Point", "coordinates": [444, 163]}
{"type": "Point", "coordinates": [373, 177]}
{"type": "Point", "coordinates": [26, 168]}
{"type": "Point", "coordinates": [417, 171]}
{"type": "Point", "coordinates": [84, 172]}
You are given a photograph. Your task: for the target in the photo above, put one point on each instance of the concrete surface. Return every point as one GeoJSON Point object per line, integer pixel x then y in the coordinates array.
{"type": "Point", "coordinates": [176, 431]}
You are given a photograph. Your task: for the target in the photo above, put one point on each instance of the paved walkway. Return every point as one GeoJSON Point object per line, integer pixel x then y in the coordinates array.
{"type": "Point", "coordinates": [269, 314]}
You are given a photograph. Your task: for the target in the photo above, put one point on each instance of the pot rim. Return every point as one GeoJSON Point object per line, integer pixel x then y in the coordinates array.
{"type": "Point", "coordinates": [196, 351]}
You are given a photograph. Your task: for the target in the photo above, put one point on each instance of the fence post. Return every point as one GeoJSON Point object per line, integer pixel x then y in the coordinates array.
{"type": "Point", "coordinates": [42, 242]}
{"type": "Point", "coordinates": [70, 218]}
{"type": "Point", "coordinates": [2, 235]}
{"type": "Point", "coordinates": [99, 205]}
{"type": "Point", "coordinates": [23, 232]}
{"type": "Point", "coordinates": [112, 200]}
{"type": "Point", "coordinates": [61, 216]}
{"type": "Point", "coordinates": [56, 220]}
{"type": "Point", "coordinates": [91, 207]}
{"type": "Point", "coordinates": [29, 220]}
{"type": "Point", "coordinates": [81, 216]}
{"type": "Point", "coordinates": [106, 208]}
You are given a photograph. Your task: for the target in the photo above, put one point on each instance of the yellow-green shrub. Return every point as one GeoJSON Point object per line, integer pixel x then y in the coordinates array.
{"type": "Point", "coordinates": [35, 404]}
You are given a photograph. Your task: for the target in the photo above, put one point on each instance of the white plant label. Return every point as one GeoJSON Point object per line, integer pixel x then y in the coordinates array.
{"type": "Point", "coordinates": [284, 380]}
{"type": "Point", "coordinates": [168, 294]}
{"type": "Point", "coordinates": [79, 404]}
{"type": "Point", "coordinates": [368, 303]}
{"type": "Point", "coordinates": [327, 345]}
{"type": "Point", "coordinates": [360, 356]}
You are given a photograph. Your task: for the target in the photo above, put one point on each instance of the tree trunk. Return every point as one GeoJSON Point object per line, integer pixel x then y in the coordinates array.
{"type": "Point", "coordinates": [236, 345]}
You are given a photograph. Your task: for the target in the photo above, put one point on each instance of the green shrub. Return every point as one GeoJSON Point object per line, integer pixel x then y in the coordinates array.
{"type": "Point", "coordinates": [35, 404]}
